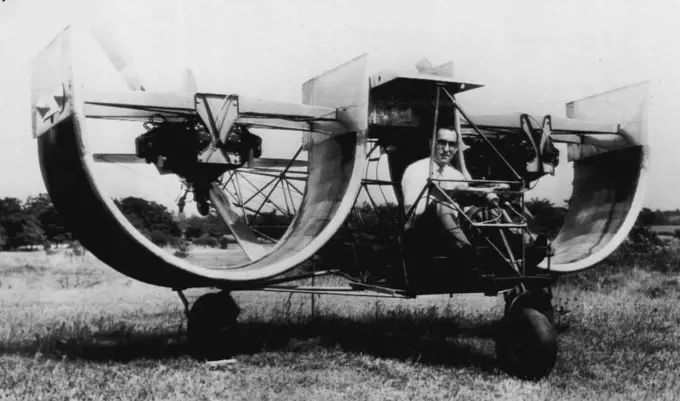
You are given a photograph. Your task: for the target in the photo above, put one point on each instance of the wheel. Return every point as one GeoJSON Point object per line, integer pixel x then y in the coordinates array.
{"type": "Point", "coordinates": [211, 326]}
{"type": "Point", "coordinates": [527, 344]}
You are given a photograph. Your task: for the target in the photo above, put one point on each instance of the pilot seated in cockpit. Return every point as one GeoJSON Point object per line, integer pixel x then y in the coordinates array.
{"type": "Point", "coordinates": [433, 210]}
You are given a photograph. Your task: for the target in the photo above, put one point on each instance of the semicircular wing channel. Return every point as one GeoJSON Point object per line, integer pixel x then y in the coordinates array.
{"type": "Point", "coordinates": [610, 179]}
{"type": "Point", "coordinates": [336, 165]}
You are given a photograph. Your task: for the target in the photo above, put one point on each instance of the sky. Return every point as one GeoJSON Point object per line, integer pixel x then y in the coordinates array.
{"type": "Point", "coordinates": [532, 56]}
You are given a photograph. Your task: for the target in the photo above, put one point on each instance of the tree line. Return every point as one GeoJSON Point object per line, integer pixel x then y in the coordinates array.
{"type": "Point", "coordinates": [34, 222]}
{"type": "Point", "coordinates": [658, 217]}
{"type": "Point", "coordinates": [29, 223]}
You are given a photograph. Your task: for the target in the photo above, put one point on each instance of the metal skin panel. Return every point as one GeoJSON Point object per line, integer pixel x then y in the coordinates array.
{"type": "Point", "coordinates": [609, 183]}
{"type": "Point", "coordinates": [336, 166]}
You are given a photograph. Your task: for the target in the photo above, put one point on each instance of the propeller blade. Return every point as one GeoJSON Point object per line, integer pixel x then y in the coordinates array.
{"type": "Point", "coordinates": [270, 162]}
{"type": "Point", "coordinates": [117, 158]}
{"type": "Point", "coordinates": [265, 163]}
{"type": "Point", "coordinates": [109, 37]}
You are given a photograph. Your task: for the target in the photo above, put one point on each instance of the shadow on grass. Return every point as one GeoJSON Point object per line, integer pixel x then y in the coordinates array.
{"type": "Point", "coordinates": [440, 342]}
{"type": "Point", "coordinates": [105, 346]}
{"type": "Point", "coordinates": [427, 340]}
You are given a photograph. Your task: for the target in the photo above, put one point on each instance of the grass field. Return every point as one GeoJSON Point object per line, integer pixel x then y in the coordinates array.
{"type": "Point", "coordinates": [71, 328]}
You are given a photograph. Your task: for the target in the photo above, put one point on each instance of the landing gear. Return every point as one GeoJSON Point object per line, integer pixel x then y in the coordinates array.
{"type": "Point", "coordinates": [526, 345]}
{"type": "Point", "coordinates": [203, 208]}
{"type": "Point", "coordinates": [211, 327]}
{"type": "Point", "coordinates": [534, 298]}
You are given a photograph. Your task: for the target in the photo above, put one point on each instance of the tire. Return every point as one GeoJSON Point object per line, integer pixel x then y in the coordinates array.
{"type": "Point", "coordinates": [211, 326]}
{"type": "Point", "coordinates": [538, 300]}
{"type": "Point", "coordinates": [526, 346]}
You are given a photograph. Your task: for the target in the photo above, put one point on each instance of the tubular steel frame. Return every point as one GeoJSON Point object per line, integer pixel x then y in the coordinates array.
{"type": "Point", "coordinates": [504, 250]}
{"type": "Point", "coordinates": [433, 185]}
{"type": "Point", "coordinates": [286, 178]}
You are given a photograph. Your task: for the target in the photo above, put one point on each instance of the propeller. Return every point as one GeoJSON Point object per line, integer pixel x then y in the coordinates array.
{"type": "Point", "coordinates": [108, 31]}
{"type": "Point", "coordinates": [110, 37]}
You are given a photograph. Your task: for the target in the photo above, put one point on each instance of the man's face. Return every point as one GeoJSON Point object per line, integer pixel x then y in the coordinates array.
{"type": "Point", "coordinates": [445, 146]}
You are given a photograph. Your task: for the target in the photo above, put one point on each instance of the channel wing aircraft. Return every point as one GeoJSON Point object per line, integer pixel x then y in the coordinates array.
{"type": "Point", "coordinates": [349, 120]}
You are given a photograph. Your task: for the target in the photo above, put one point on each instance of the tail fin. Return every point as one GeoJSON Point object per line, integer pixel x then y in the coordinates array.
{"type": "Point", "coordinates": [626, 106]}
{"type": "Point", "coordinates": [344, 88]}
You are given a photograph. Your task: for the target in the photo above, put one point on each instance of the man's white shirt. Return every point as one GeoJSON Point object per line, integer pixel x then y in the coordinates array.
{"type": "Point", "coordinates": [415, 179]}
